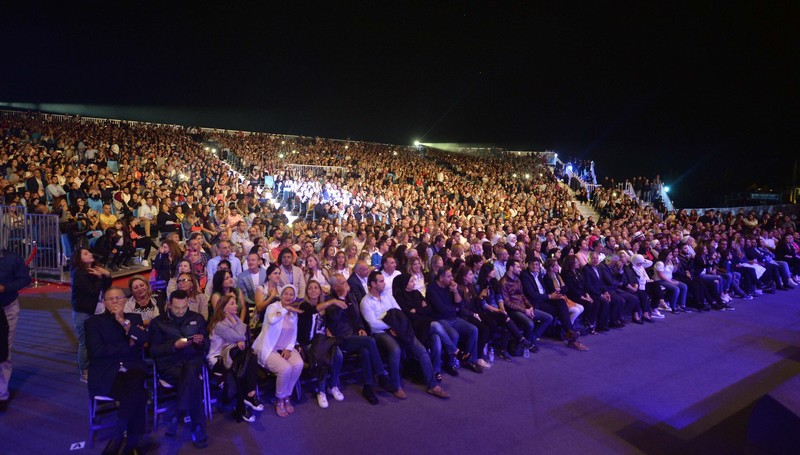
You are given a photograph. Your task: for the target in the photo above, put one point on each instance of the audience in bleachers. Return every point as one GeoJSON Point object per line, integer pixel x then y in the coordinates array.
{"type": "Point", "coordinates": [477, 254]}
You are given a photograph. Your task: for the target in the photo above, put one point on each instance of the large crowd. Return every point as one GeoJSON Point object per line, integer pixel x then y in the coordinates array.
{"type": "Point", "coordinates": [453, 261]}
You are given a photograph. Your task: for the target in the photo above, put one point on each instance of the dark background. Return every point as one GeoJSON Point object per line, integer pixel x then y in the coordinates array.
{"type": "Point", "coordinates": [704, 94]}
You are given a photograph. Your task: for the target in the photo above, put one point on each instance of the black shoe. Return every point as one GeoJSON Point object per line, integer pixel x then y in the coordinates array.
{"type": "Point", "coordinates": [534, 349]}
{"type": "Point", "coordinates": [246, 415]}
{"type": "Point", "coordinates": [438, 376]}
{"type": "Point", "coordinates": [369, 394]}
{"type": "Point", "coordinates": [463, 356]}
{"type": "Point", "coordinates": [616, 325]}
{"type": "Point", "coordinates": [172, 427]}
{"type": "Point", "coordinates": [113, 447]}
{"type": "Point", "coordinates": [473, 367]}
{"type": "Point", "coordinates": [254, 403]}
{"type": "Point", "coordinates": [451, 370]}
{"type": "Point", "coordinates": [386, 384]}
{"type": "Point", "coordinates": [503, 354]}
{"type": "Point", "coordinates": [526, 344]}
{"type": "Point", "coordinates": [199, 437]}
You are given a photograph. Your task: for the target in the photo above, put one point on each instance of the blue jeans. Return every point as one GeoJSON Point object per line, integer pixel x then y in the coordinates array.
{"type": "Point", "coordinates": [79, 319]}
{"type": "Point", "coordinates": [467, 333]}
{"type": "Point", "coordinates": [335, 370]}
{"type": "Point", "coordinates": [393, 350]}
{"type": "Point", "coordinates": [676, 293]}
{"type": "Point", "coordinates": [442, 336]}
{"type": "Point", "coordinates": [531, 328]}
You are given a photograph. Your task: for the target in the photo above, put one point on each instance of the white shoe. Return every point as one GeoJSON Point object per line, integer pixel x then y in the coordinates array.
{"type": "Point", "coordinates": [322, 400]}
{"type": "Point", "coordinates": [145, 263]}
{"type": "Point", "coordinates": [337, 395]}
{"type": "Point", "coordinates": [792, 282]}
{"type": "Point", "coordinates": [657, 314]}
{"type": "Point", "coordinates": [483, 364]}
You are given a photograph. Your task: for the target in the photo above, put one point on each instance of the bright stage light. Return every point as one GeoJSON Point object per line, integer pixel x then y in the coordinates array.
{"type": "Point", "coordinates": [666, 189]}
{"type": "Point", "coordinates": [416, 143]}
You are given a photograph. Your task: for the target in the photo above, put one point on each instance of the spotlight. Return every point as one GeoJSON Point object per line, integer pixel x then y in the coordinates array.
{"type": "Point", "coordinates": [214, 150]}
{"type": "Point", "coordinates": [206, 149]}
{"type": "Point", "coordinates": [666, 189]}
{"type": "Point", "coordinates": [416, 143]}
{"type": "Point", "coordinates": [294, 152]}
{"type": "Point", "coordinates": [283, 142]}
{"type": "Point", "coordinates": [614, 194]}
{"type": "Point", "coordinates": [346, 147]}
{"type": "Point", "coordinates": [514, 175]}
{"type": "Point", "coordinates": [541, 175]}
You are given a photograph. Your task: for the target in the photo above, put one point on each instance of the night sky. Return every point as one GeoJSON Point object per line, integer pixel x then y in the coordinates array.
{"type": "Point", "coordinates": [705, 95]}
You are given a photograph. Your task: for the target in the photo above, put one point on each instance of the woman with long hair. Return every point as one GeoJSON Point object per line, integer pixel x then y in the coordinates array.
{"type": "Point", "coordinates": [166, 261]}
{"type": "Point", "coordinates": [314, 272]}
{"type": "Point", "coordinates": [198, 301]}
{"type": "Point", "coordinates": [494, 312]}
{"type": "Point", "coordinates": [471, 310]}
{"type": "Point", "coordinates": [89, 281]}
{"type": "Point", "coordinates": [184, 266]}
{"type": "Point", "coordinates": [574, 290]}
{"type": "Point", "coordinates": [319, 349]}
{"type": "Point", "coordinates": [224, 284]}
{"type": "Point", "coordinates": [229, 350]}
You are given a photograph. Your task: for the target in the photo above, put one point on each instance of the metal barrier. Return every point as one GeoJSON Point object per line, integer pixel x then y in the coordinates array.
{"type": "Point", "coordinates": [12, 229]}
{"type": "Point", "coordinates": [43, 232]}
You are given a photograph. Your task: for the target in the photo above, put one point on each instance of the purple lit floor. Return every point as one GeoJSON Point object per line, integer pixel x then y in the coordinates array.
{"type": "Point", "coordinates": [683, 385]}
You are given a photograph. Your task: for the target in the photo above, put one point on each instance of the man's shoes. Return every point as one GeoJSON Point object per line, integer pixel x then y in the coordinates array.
{"type": "Point", "coordinates": [616, 325]}
{"type": "Point", "coordinates": [657, 314]}
{"type": "Point", "coordinates": [577, 345]}
{"type": "Point", "coordinates": [337, 395]}
{"type": "Point", "coordinates": [400, 394]}
{"type": "Point", "coordinates": [113, 447]}
{"type": "Point", "coordinates": [473, 367]}
{"type": "Point", "coordinates": [246, 415]}
{"type": "Point", "coordinates": [451, 370]}
{"type": "Point", "coordinates": [199, 437]}
{"type": "Point", "coordinates": [322, 400]}
{"type": "Point", "coordinates": [438, 391]}
{"type": "Point", "coordinates": [503, 354]}
{"type": "Point", "coordinates": [254, 403]}
{"type": "Point", "coordinates": [172, 427]}
{"type": "Point", "coordinates": [463, 356]}
{"type": "Point", "coordinates": [368, 393]}
{"type": "Point", "coordinates": [386, 384]}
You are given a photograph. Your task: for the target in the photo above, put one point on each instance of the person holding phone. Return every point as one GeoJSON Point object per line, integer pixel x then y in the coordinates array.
{"type": "Point", "coordinates": [179, 342]}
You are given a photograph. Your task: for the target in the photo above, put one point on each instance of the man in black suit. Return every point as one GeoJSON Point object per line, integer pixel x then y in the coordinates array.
{"type": "Point", "coordinates": [179, 342]}
{"type": "Point", "coordinates": [114, 341]}
{"type": "Point", "coordinates": [357, 281]}
{"type": "Point", "coordinates": [625, 302]}
{"type": "Point", "coordinates": [593, 284]}
{"type": "Point", "coordinates": [553, 304]}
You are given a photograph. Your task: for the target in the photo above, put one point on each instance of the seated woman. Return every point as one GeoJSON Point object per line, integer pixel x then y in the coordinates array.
{"type": "Point", "coordinates": [573, 289]}
{"type": "Point", "coordinates": [314, 272]}
{"type": "Point", "coordinates": [183, 266]}
{"type": "Point", "coordinates": [266, 294]}
{"type": "Point", "coordinates": [319, 349]}
{"type": "Point", "coordinates": [494, 312]}
{"type": "Point", "coordinates": [198, 302]}
{"type": "Point", "coordinates": [471, 310]}
{"type": "Point", "coordinates": [141, 301]}
{"type": "Point", "coordinates": [228, 353]}
{"type": "Point", "coordinates": [224, 284]}
{"type": "Point", "coordinates": [275, 347]}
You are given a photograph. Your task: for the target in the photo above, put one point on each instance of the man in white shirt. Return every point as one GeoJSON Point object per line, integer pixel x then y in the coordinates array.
{"type": "Point", "coordinates": [389, 272]}
{"type": "Point", "coordinates": [147, 213]}
{"type": "Point", "coordinates": [375, 307]}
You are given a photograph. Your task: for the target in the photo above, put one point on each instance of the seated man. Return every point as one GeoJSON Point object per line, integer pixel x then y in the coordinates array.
{"type": "Point", "coordinates": [345, 325]}
{"type": "Point", "coordinates": [290, 273]}
{"type": "Point", "coordinates": [114, 341]}
{"type": "Point", "coordinates": [610, 306]}
{"type": "Point", "coordinates": [376, 307]}
{"type": "Point", "coordinates": [553, 304]}
{"type": "Point", "coordinates": [251, 278]}
{"type": "Point", "coordinates": [224, 252]}
{"type": "Point", "coordinates": [444, 298]}
{"type": "Point", "coordinates": [531, 321]}
{"type": "Point", "coordinates": [178, 342]}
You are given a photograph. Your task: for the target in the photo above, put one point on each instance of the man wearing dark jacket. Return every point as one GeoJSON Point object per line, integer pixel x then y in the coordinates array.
{"type": "Point", "coordinates": [345, 325]}
{"type": "Point", "coordinates": [115, 341]}
{"type": "Point", "coordinates": [178, 342]}
{"type": "Point", "coordinates": [593, 284]}
{"type": "Point", "coordinates": [14, 276]}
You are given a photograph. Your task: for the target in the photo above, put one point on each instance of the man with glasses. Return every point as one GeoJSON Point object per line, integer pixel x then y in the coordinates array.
{"type": "Point", "coordinates": [178, 342]}
{"type": "Point", "coordinates": [114, 341]}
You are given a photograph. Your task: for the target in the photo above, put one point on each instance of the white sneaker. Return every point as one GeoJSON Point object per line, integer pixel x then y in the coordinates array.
{"type": "Point", "coordinates": [657, 314]}
{"type": "Point", "coordinates": [337, 395]}
{"type": "Point", "coordinates": [663, 306]}
{"type": "Point", "coordinates": [322, 400]}
{"type": "Point", "coordinates": [483, 364]}
{"type": "Point", "coordinates": [145, 263]}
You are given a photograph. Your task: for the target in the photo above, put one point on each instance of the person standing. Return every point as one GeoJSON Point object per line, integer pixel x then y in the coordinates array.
{"type": "Point", "coordinates": [89, 280]}
{"type": "Point", "coordinates": [14, 276]}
